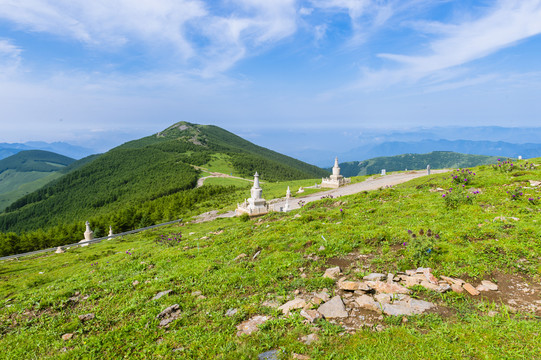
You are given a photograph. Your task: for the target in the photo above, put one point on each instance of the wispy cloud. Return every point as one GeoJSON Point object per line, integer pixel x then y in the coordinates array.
{"type": "Point", "coordinates": [10, 57]}
{"type": "Point", "coordinates": [503, 25]}
{"type": "Point", "coordinates": [200, 39]}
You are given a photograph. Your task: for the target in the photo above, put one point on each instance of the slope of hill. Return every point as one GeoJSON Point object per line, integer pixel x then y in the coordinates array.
{"type": "Point", "coordinates": [188, 291]}
{"type": "Point", "coordinates": [147, 180]}
{"type": "Point", "coordinates": [436, 160]}
{"type": "Point", "coordinates": [27, 171]}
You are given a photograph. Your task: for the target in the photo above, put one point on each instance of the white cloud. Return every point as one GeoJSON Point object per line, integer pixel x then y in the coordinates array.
{"type": "Point", "coordinates": [10, 57]}
{"type": "Point", "coordinates": [504, 25]}
{"type": "Point", "coordinates": [198, 38]}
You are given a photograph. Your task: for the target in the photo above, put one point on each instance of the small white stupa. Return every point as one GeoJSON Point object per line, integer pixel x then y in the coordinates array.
{"type": "Point", "coordinates": [335, 180]}
{"type": "Point", "coordinates": [288, 196]}
{"type": "Point", "coordinates": [89, 234]}
{"type": "Point", "coordinates": [255, 205]}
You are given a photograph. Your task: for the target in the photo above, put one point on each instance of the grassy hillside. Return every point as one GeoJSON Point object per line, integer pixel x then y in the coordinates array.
{"type": "Point", "coordinates": [483, 232]}
{"type": "Point", "coordinates": [436, 160]}
{"type": "Point", "coordinates": [143, 182]}
{"type": "Point", "coordinates": [27, 171]}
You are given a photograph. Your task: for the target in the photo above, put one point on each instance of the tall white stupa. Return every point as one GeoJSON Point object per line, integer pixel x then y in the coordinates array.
{"type": "Point", "coordinates": [335, 180]}
{"type": "Point", "coordinates": [255, 205]}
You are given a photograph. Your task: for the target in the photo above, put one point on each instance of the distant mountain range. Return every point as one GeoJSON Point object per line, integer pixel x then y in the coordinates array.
{"type": "Point", "coordinates": [62, 148]}
{"type": "Point", "coordinates": [436, 160]}
{"type": "Point", "coordinates": [392, 148]}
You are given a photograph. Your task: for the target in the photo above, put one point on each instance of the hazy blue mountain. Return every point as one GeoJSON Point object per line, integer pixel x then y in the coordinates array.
{"type": "Point", "coordinates": [436, 160]}
{"type": "Point", "coordinates": [491, 148]}
{"type": "Point", "coordinates": [62, 148]}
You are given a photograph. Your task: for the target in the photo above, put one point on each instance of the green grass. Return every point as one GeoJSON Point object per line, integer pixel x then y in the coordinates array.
{"type": "Point", "coordinates": [220, 163]}
{"type": "Point", "coordinates": [373, 223]}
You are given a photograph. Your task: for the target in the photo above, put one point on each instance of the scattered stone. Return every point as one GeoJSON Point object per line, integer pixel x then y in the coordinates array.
{"type": "Point", "coordinates": [321, 248]}
{"type": "Point", "coordinates": [382, 287]}
{"type": "Point", "coordinates": [59, 250]}
{"type": "Point", "coordinates": [241, 256]}
{"type": "Point", "coordinates": [231, 312]}
{"type": "Point", "coordinates": [492, 313]}
{"type": "Point", "coordinates": [408, 307]}
{"type": "Point", "coordinates": [271, 303]}
{"type": "Point", "coordinates": [390, 278]}
{"type": "Point", "coordinates": [297, 216]}
{"type": "Point", "coordinates": [135, 283]}
{"type": "Point", "coordinates": [375, 277]}
{"type": "Point", "coordinates": [534, 182]}
{"type": "Point", "coordinates": [300, 357]}
{"type": "Point", "coordinates": [333, 308]}
{"type": "Point", "coordinates": [256, 255]}
{"type": "Point", "coordinates": [323, 295]}
{"type": "Point", "coordinates": [383, 298]}
{"type": "Point", "coordinates": [249, 326]}
{"type": "Point", "coordinates": [168, 315]}
{"type": "Point", "coordinates": [310, 315]}
{"type": "Point", "coordinates": [332, 273]}
{"type": "Point", "coordinates": [457, 288]}
{"type": "Point", "coordinates": [196, 293]}
{"type": "Point", "coordinates": [269, 355]}
{"type": "Point", "coordinates": [489, 285]}
{"type": "Point", "coordinates": [161, 294]}
{"type": "Point", "coordinates": [303, 276]}
{"type": "Point", "coordinates": [367, 302]}
{"type": "Point", "coordinates": [67, 336]}
{"type": "Point", "coordinates": [353, 285]}
{"type": "Point", "coordinates": [296, 303]}
{"type": "Point", "coordinates": [308, 339]}
{"type": "Point", "coordinates": [411, 281]}
{"type": "Point", "coordinates": [481, 288]}
{"type": "Point", "coordinates": [470, 289]}
{"type": "Point", "coordinates": [86, 317]}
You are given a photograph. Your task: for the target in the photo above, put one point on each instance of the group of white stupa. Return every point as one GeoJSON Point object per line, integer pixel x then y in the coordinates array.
{"type": "Point", "coordinates": [257, 205]}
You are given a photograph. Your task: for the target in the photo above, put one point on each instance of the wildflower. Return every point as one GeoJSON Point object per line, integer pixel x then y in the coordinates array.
{"type": "Point", "coordinates": [443, 195]}
{"type": "Point", "coordinates": [410, 232]}
{"type": "Point", "coordinates": [437, 236]}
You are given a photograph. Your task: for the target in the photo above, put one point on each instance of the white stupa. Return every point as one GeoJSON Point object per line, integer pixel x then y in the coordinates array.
{"type": "Point", "coordinates": [89, 234]}
{"type": "Point", "coordinates": [335, 180]}
{"type": "Point", "coordinates": [255, 205]}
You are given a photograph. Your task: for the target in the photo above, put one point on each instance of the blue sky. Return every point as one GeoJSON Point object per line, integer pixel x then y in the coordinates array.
{"type": "Point", "coordinates": [105, 71]}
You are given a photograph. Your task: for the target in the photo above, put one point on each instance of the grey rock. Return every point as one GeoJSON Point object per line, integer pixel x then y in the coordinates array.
{"type": "Point", "coordinates": [296, 303]}
{"type": "Point", "coordinates": [375, 277]}
{"type": "Point", "coordinates": [269, 355]}
{"type": "Point", "coordinates": [367, 302]}
{"type": "Point", "coordinates": [323, 295]}
{"type": "Point", "coordinates": [489, 285]}
{"type": "Point", "coordinates": [310, 315]}
{"type": "Point", "coordinates": [231, 312]}
{"type": "Point", "coordinates": [333, 308]}
{"type": "Point", "coordinates": [161, 294]}
{"type": "Point", "coordinates": [308, 339]}
{"type": "Point", "coordinates": [332, 273]}
{"type": "Point", "coordinates": [169, 315]}
{"type": "Point", "coordinates": [86, 317]}
{"type": "Point", "coordinates": [249, 326]}
{"type": "Point", "coordinates": [168, 311]}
